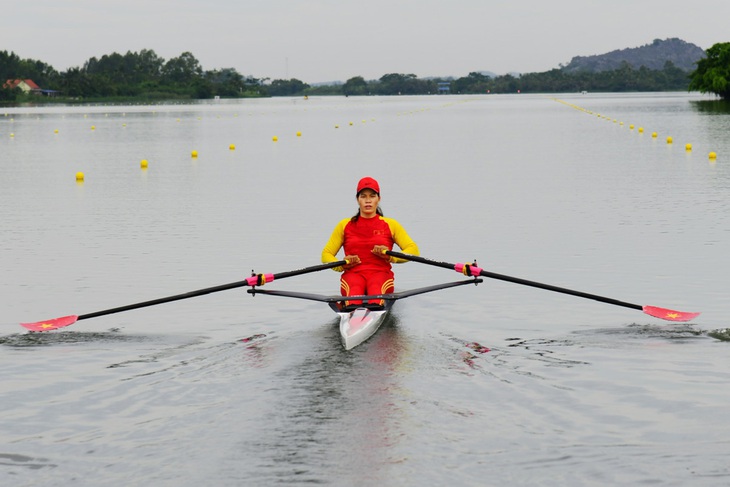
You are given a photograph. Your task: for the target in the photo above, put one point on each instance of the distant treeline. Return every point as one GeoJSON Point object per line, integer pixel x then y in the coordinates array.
{"type": "Point", "coordinates": [146, 76]}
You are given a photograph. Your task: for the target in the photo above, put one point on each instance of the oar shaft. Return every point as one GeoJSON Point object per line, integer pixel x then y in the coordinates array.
{"type": "Point", "coordinates": [167, 299]}
{"type": "Point", "coordinates": [516, 280]}
{"type": "Point", "coordinates": [525, 282]}
{"type": "Point", "coordinates": [252, 281]}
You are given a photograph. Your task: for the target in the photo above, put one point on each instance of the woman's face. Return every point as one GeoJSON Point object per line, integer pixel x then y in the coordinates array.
{"type": "Point", "coordinates": [368, 201]}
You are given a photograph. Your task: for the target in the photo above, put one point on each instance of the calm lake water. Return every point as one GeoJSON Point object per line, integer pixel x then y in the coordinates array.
{"type": "Point", "coordinates": [230, 390]}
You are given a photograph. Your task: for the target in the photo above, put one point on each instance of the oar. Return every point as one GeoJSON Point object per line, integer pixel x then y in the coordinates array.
{"type": "Point", "coordinates": [473, 270]}
{"type": "Point", "coordinates": [254, 280]}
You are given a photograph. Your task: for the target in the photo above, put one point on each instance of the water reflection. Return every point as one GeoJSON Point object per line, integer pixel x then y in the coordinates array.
{"type": "Point", "coordinates": [338, 415]}
{"type": "Point", "coordinates": [718, 106]}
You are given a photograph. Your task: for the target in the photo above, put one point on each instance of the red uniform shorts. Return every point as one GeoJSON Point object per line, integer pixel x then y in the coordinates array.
{"type": "Point", "coordinates": [372, 282]}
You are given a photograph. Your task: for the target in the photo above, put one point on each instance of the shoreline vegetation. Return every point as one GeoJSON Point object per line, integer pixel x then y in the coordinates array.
{"type": "Point", "coordinates": [144, 77]}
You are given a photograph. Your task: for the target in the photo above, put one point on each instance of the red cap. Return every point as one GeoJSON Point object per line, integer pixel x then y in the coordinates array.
{"type": "Point", "coordinates": [368, 183]}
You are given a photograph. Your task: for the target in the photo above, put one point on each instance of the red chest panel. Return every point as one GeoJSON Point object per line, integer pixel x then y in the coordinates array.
{"type": "Point", "coordinates": [362, 235]}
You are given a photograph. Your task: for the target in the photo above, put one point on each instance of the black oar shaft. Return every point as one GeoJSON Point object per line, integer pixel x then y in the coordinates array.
{"type": "Point", "coordinates": [208, 290]}
{"type": "Point", "coordinates": [517, 280]}
{"type": "Point", "coordinates": [167, 299]}
{"type": "Point", "coordinates": [525, 282]}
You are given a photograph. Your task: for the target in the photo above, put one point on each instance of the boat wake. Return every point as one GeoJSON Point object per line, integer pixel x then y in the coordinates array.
{"type": "Point", "coordinates": [69, 337]}
{"type": "Point", "coordinates": [643, 331]}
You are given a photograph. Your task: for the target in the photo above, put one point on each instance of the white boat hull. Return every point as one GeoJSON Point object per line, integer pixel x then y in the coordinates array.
{"type": "Point", "coordinates": [359, 325]}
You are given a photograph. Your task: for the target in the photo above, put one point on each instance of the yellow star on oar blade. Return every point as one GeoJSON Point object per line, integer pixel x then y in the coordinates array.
{"type": "Point", "coordinates": [47, 325]}
{"type": "Point", "coordinates": [672, 315]}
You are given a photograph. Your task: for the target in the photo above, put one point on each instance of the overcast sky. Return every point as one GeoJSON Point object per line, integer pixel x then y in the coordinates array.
{"type": "Point", "coordinates": [328, 40]}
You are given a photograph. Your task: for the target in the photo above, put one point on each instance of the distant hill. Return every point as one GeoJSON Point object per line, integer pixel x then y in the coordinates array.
{"type": "Point", "coordinates": [683, 54]}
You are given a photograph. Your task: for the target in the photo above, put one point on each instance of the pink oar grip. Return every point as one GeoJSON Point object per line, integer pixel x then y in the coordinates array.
{"type": "Point", "coordinates": [462, 269]}
{"type": "Point", "coordinates": [259, 279]}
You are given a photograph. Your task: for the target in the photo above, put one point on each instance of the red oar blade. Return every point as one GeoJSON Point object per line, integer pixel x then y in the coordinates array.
{"type": "Point", "coordinates": [53, 324]}
{"type": "Point", "coordinates": [669, 314]}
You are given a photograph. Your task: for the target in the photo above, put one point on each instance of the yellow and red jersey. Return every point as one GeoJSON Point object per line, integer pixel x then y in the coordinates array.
{"type": "Point", "coordinates": [360, 236]}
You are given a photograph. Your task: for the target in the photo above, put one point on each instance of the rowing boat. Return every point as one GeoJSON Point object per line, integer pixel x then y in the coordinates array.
{"type": "Point", "coordinates": [360, 322]}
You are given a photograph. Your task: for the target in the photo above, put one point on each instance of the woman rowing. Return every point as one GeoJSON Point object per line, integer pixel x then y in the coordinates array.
{"type": "Point", "coordinates": [365, 238]}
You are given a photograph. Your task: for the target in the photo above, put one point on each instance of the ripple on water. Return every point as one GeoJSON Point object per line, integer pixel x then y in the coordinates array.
{"type": "Point", "coordinates": [23, 461]}
{"type": "Point", "coordinates": [68, 337]}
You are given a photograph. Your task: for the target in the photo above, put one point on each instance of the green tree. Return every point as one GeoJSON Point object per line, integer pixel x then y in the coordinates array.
{"type": "Point", "coordinates": [9, 66]}
{"type": "Point", "coordinates": [355, 86]}
{"type": "Point", "coordinates": [713, 72]}
{"type": "Point", "coordinates": [283, 87]}
{"type": "Point", "coordinates": [148, 64]}
{"type": "Point", "coordinates": [473, 83]}
{"type": "Point", "coordinates": [405, 84]}
{"type": "Point", "coordinates": [182, 70]}
{"type": "Point", "coordinates": [226, 82]}
{"type": "Point", "coordinates": [76, 82]}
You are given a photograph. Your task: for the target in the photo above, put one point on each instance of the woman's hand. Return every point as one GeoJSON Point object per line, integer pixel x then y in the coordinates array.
{"type": "Point", "coordinates": [379, 250]}
{"type": "Point", "coordinates": [352, 261]}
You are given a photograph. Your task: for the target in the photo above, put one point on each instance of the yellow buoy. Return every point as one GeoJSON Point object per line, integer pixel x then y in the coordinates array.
{"type": "Point", "coordinates": [712, 155]}
{"type": "Point", "coordinates": [194, 153]}
{"type": "Point", "coordinates": [350, 123]}
{"type": "Point", "coordinates": [143, 163]}
{"type": "Point", "coordinates": [12, 134]}
{"type": "Point", "coordinates": [93, 127]}
{"type": "Point", "coordinates": [79, 176]}
{"type": "Point", "coordinates": [232, 147]}
{"type": "Point", "coordinates": [275, 138]}
{"type": "Point", "coordinates": [631, 126]}
{"type": "Point", "coordinates": [55, 131]}
{"type": "Point", "coordinates": [688, 147]}
{"type": "Point", "coordinates": [299, 134]}
{"type": "Point", "coordinates": [653, 134]}
{"type": "Point", "coordinates": [641, 130]}
{"type": "Point", "coordinates": [669, 140]}
{"type": "Point", "coordinates": [337, 126]}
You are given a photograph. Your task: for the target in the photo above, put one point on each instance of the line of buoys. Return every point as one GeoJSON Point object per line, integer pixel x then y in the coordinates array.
{"type": "Point", "coordinates": [688, 147]}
